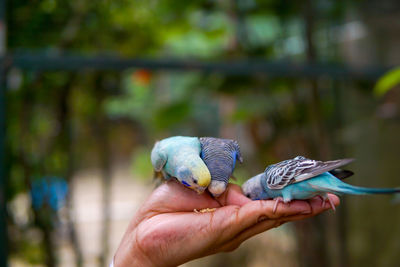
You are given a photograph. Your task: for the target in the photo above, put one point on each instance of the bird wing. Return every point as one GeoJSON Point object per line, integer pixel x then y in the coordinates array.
{"type": "Point", "coordinates": [341, 174]}
{"type": "Point", "coordinates": [237, 149]}
{"type": "Point", "coordinates": [298, 169]}
{"type": "Point", "coordinates": [158, 157]}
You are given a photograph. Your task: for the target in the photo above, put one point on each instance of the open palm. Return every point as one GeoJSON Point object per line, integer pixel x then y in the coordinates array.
{"type": "Point", "coordinates": [167, 231]}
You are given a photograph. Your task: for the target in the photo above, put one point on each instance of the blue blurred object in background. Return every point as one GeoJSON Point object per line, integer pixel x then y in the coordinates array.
{"type": "Point", "coordinates": [49, 190]}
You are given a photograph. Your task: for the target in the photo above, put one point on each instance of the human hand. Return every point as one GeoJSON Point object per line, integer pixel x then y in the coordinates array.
{"type": "Point", "coordinates": [167, 232]}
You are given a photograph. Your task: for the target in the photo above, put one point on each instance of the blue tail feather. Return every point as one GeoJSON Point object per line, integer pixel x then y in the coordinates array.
{"type": "Point", "coordinates": [329, 183]}
{"type": "Point", "coordinates": [357, 190]}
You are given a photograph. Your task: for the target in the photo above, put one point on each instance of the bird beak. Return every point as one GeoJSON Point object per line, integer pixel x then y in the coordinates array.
{"type": "Point", "coordinates": [200, 189]}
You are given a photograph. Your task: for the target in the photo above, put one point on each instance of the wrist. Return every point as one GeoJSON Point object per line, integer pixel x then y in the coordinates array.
{"type": "Point", "coordinates": [129, 255]}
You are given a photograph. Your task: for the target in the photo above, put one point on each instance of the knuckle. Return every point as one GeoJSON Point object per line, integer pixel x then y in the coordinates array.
{"type": "Point", "coordinates": [235, 214]}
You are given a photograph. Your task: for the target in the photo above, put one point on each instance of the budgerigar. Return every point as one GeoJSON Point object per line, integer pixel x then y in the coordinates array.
{"type": "Point", "coordinates": [302, 178]}
{"type": "Point", "coordinates": [220, 156]}
{"type": "Point", "coordinates": [179, 157]}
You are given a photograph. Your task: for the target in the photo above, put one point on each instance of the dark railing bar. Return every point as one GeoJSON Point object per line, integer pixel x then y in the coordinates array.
{"type": "Point", "coordinates": [40, 62]}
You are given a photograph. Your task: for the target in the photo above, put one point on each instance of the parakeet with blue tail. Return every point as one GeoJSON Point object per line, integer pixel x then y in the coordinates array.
{"type": "Point", "coordinates": [303, 178]}
{"type": "Point", "coordinates": [220, 156]}
{"type": "Point", "coordinates": [179, 157]}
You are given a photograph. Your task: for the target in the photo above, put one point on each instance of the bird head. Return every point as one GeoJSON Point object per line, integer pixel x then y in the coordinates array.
{"type": "Point", "coordinates": [196, 177]}
{"type": "Point", "coordinates": [253, 188]}
{"type": "Point", "coordinates": [216, 188]}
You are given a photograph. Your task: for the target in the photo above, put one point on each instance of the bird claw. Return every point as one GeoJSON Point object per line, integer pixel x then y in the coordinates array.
{"type": "Point", "coordinates": [331, 203]}
{"type": "Point", "coordinates": [277, 200]}
{"type": "Point", "coordinates": [323, 203]}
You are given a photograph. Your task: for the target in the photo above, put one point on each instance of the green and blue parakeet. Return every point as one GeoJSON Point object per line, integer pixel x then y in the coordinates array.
{"type": "Point", "coordinates": [303, 178]}
{"type": "Point", "coordinates": [220, 156]}
{"type": "Point", "coordinates": [179, 157]}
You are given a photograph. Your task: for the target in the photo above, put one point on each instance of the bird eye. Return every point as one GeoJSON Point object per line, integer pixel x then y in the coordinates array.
{"type": "Point", "coordinates": [248, 195]}
{"type": "Point", "coordinates": [195, 180]}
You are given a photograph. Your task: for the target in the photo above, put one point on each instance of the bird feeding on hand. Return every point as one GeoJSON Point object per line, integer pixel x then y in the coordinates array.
{"type": "Point", "coordinates": [303, 178]}
{"type": "Point", "coordinates": [179, 157]}
{"type": "Point", "coordinates": [220, 156]}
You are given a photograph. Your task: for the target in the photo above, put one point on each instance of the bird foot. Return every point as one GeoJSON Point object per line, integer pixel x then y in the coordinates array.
{"type": "Point", "coordinates": [322, 201]}
{"type": "Point", "coordinates": [331, 203]}
{"type": "Point", "coordinates": [323, 204]}
{"type": "Point", "coordinates": [277, 200]}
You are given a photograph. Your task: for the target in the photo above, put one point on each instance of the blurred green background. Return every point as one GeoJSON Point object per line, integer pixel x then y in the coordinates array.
{"type": "Point", "coordinates": [87, 87]}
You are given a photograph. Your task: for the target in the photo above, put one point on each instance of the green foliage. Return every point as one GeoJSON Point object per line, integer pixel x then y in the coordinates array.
{"type": "Point", "coordinates": [173, 105]}
{"type": "Point", "coordinates": [137, 101]}
{"type": "Point", "coordinates": [170, 115]}
{"type": "Point", "coordinates": [387, 82]}
{"type": "Point", "coordinates": [17, 184]}
{"type": "Point", "coordinates": [240, 176]}
{"type": "Point", "coordinates": [31, 251]}
{"type": "Point", "coordinates": [263, 30]}
{"type": "Point", "coordinates": [141, 166]}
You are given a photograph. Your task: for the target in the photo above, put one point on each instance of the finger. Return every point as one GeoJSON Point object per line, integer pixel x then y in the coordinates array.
{"type": "Point", "coordinates": [233, 196]}
{"type": "Point", "coordinates": [172, 196]}
{"type": "Point", "coordinates": [250, 232]}
{"type": "Point", "coordinates": [265, 224]}
{"type": "Point", "coordinates": [317, 207]}
{"type": "Point", "coordinates": [335, 199]}
{"type": "Point", "coordinates": [241, 218]}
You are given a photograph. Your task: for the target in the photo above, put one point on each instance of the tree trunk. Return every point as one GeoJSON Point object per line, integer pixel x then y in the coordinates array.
{"type": "Point", "coordinates": [67, 143]}
{"type": "Point", "coordinates": [101, 131]}
{"type": "Point", "coordinates": [311, 234]}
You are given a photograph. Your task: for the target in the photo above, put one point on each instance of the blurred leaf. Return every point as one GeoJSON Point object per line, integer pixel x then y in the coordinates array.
{"type": "Point", "coordinates": [171, 115]}
{"type": "Point", "coordinates": [241, 174]}
{"type": "Point", "coordinates": [17, 183]}
{"type": "Point", "coordinates": [387, 82]}
{"type": "Point", "coordinates": [136, 101]}
{"type": "Point", "coordinates": [141, 164]}
{"type": "Point", "coordinates": [32, 252]}
{"type": "Point", "coordinates": [263, 29]}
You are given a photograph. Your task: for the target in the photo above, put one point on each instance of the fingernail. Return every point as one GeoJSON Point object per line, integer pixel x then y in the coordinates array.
{"type": "Point", "coordinates": [262, 218]}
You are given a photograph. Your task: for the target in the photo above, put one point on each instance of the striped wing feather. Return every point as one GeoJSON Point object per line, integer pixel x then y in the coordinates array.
{"type": "Point", "coordinates": [299, 169]}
